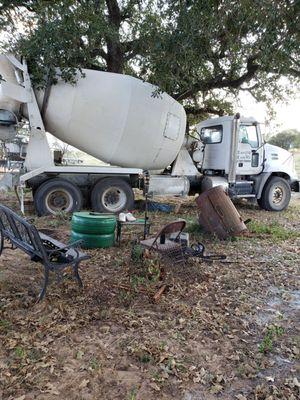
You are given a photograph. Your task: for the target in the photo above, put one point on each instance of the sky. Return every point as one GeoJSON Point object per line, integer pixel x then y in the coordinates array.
{"type": "Point", "coordinates": [287, 115]}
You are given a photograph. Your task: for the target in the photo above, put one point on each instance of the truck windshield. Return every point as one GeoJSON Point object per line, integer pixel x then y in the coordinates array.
{"type": "Point", "coordinates": [211, 134]}
{"type": "Point", "coordinates": [248, 134]}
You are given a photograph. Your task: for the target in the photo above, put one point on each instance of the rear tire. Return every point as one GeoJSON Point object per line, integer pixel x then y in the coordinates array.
{"type": "Point", "coordinates": [112, 195]}
{"type": "Point", "coordinates": [57, 195]}
{"type": "Point", "coordinates": [276, 195]}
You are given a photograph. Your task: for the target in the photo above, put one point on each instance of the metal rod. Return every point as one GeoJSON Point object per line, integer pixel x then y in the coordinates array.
{"type": "Point", "coordinates": [146, 188]}
{"type": "Point", "coordinates": [234, 149]}
{"type": "Point", "coordinates": [22, 199]}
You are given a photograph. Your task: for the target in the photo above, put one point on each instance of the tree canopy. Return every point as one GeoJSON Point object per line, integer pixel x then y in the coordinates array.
{"type": "Point", "coordinates": [201, 52]}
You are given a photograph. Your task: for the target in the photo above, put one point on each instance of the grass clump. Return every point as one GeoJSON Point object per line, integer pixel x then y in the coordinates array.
{"type": "Point", "coordinates": [273, 229]}
{"type": "Point", "coordinates": [196, 231]}
{"type": "Point", "coordinates": [5, 325]}
{"type": "Point", "coordinates": [272, 333]}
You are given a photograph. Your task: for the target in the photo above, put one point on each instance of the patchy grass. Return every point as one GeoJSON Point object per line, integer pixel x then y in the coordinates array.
{"type": "Point", "coordinates": [273, 332]}
{"type": "Point", "coordinates": [273, 229]}
{"type": "Point", "coordinates": [197, 233]}
{"type": "Point", "coordinates": [265, 230]}
{"type": "Point", "coordinates": [215, 332]}
{"type": "Point", "coordinates": [194, 228]}
{"type": "Point", "coordinates": [5, 325]}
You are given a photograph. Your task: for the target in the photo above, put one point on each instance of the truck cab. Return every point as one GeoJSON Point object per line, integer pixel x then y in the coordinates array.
{"type": "Point", "coordinates": [232, 152]}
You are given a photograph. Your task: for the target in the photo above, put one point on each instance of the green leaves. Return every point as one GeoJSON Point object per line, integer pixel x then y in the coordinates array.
{"type": "Point", "coordinates": [200, 52]}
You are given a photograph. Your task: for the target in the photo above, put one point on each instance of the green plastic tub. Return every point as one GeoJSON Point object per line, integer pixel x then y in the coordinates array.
{"type": "Point", "coordinates": [92, 241]}
{"type": "Point", "coordinates": [93, 223]}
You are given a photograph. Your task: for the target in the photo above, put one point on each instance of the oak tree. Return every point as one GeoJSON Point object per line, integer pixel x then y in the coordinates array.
{"type": "Point", "coordinates": [203, 52]}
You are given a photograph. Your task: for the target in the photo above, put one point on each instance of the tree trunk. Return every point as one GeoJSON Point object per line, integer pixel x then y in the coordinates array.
{"type": "Point", "coordinates": [115, 53]}
{"type": "Point", "coordinates": [115, 57]}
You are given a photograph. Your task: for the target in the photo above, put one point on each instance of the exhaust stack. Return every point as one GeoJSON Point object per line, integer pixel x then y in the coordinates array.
{"type": "Point", "coordinates": [234, 149]}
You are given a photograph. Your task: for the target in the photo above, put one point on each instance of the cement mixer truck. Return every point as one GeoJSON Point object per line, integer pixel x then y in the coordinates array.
{"type": "Point", "coordinates": [132, 126]}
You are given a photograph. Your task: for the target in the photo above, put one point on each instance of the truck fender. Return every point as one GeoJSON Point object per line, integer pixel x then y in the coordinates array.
{"type": "Point", "coordinates": [260, 181]}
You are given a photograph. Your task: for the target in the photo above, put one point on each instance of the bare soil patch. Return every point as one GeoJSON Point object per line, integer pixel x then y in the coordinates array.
{"type": "Point", "coordinates": [221, 330]}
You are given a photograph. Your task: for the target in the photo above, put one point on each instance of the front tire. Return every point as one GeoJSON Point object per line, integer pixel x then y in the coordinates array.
{"type": "Point", "coordinates": [57, 195]}
{"type": "Point", "coordinates": [112, 195]}
{"type": "Point", "coordinates": [276, 195]}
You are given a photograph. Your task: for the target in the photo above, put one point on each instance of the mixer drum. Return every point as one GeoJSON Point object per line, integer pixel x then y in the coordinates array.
{"type": "Point", "coordinates": [9, 108]}
{"type": "Point", "coordinates": [117, 119]}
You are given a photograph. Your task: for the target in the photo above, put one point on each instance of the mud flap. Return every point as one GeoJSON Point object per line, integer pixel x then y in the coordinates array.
{"type": "Point", "coordinates": [295, 186]}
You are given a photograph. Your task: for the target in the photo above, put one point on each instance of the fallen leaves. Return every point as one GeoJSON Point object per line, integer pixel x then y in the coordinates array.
{"type": "Point", "coordinates": [215, 389]}
{"type": "Point", "coordinates": [241, 397]}
{"type": "Point", "coordinates": [51, 388]}
{"type": "Point", "coordinates": [202, 333]}
{"type": "Point", "coordinates": [79, 354]}
{"type": "Point", "coordinates": [84, 383]}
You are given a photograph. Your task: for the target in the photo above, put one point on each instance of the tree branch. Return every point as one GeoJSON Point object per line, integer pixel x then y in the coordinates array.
{"type": "Point", "coordinates": [219, 82]}
{"type": "Point", "coordinates": [127, 12]}
{"type": "Point", "coordinates": [114, 12]}
{"type": "Point", "coordinates": [294, 72]}
{"type": "Point", "coordinates": [99, 52]}
{"type": "Point", "coordinates": [196, 111]}
{"type": "Point", "coordinates": [130, 49]}
{"type": "Point", "coordinates": [249, 88]}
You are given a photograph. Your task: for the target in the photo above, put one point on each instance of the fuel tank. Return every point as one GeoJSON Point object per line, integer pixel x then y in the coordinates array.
{"type": "Point", "coordinates": [116, 118]}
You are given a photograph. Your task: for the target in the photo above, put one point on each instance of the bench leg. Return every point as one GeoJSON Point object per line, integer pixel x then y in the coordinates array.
{"type": "Point", "coordinates": [76, 274]}
{"type": "Point", "coordinates": [46, 280]}
{"type": "Point", "coordinates": [1, 243]}
{"type": "Point", "coordinates": [119, 232]}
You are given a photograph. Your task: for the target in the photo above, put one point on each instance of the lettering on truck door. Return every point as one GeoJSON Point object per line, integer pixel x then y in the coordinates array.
{"type": "Point", "coordinates": [250, 150]}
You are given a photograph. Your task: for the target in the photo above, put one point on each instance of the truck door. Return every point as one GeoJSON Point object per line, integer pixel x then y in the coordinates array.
{"type": "Point", "coordinates": [250, 150]}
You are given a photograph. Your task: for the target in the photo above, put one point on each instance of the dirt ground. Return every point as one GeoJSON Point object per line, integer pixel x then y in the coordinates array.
{"type": "Point", "coordinates": [221, 330]}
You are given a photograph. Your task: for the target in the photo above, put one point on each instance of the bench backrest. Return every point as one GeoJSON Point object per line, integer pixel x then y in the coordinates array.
{"type": "Point", "coordinates": [21, 233]}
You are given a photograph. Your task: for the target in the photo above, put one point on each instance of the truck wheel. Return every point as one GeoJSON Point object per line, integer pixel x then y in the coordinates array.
{"type": "Point", "coordinates": [57, 195]}
{"type": "Point", "coordinates": [112, 195]}
{"type": "Point", "coordinates": [276, 195]}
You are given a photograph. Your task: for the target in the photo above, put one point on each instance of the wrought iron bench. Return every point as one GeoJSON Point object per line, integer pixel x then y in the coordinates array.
{"type": "Point", "coordinates": [53, 254]}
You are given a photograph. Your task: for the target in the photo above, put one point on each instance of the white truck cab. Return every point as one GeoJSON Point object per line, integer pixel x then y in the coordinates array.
{"type": "Point", "coordinates": [232, 152]}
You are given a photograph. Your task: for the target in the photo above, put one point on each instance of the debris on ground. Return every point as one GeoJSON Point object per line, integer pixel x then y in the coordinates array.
{"type": "Point", "coordinates": [223, 330]}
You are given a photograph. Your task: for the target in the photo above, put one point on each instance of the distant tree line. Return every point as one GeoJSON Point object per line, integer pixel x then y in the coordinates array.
{"type": "Point", "coordinates": [288, 139]}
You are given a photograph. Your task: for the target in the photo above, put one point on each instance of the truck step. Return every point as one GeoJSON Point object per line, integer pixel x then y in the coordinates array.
{"type": "Point", "coordinates": [245, 195]}
{"type": "Point", "coordinates": [243, 189]}
{"type": "Point", "coordinates": [242, 183]}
